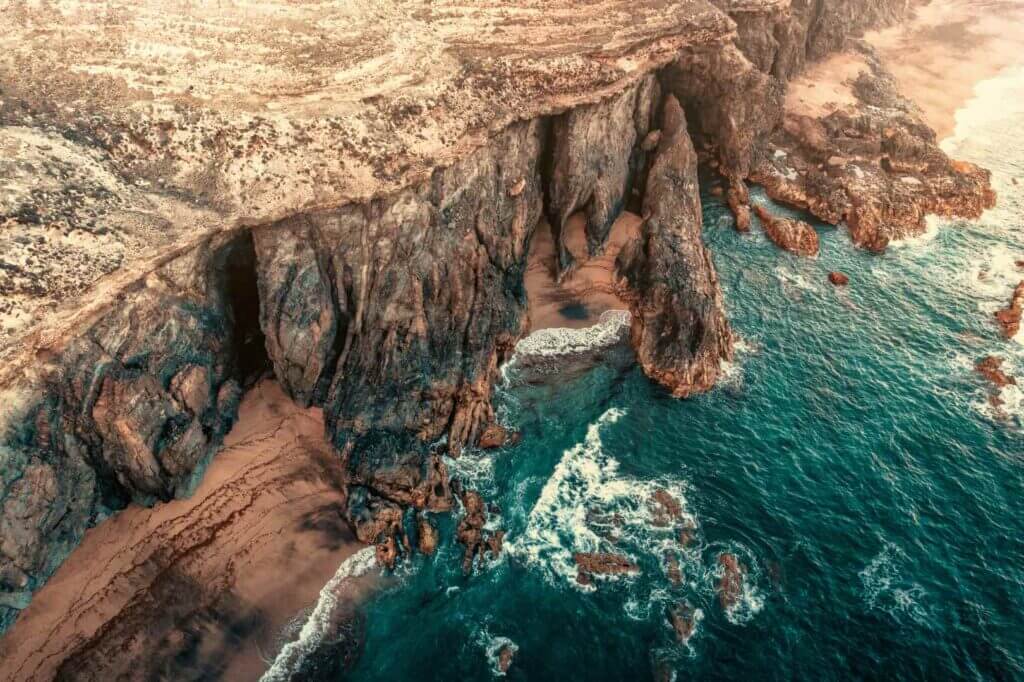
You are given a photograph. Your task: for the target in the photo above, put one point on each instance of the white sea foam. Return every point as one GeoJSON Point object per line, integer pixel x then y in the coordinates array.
{"type": "Point", "coordinates": [492, 646]}
{"type": "Point", "coordinates": [732, 372]}
{"type": "Point", "coordinates": [749, 604]}
{"type": "Point", "coordinates": [931, 231]}
{"type": "Point", "coordinates": [586, 500]}
{"type": "Point", "coordinates": [884, 588]}
{"type": "Point", "coordinates": [791, 278]}
{"type": "Point", "coordinates": [995, 100]}
{"type": "Point", "coordinates": [609, 331]}
{"type": "Point", "coordinates": [318, 625]}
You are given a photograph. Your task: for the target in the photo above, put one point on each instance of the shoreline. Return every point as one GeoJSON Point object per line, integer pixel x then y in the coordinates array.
{"type": "Point", "coordinates": [946, 49]}
{"type": "Point", "coordinates": [211, 580]}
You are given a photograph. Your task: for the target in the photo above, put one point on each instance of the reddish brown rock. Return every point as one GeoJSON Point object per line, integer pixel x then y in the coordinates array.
{"type": "Point", "coordinates": [683, 619]}
{"type": "Point", "coordinates": [427, 536]}
{"type": "Point", "coordinates": [794, 236]}
{"type": "Point", "coordinates": [470, 532]}
{"type": "Point", "coordinates": [990, 367]}
{"type": "Point", "coordinates": [601, 563]}
{"type": "Point", "coordinates": [738, 198]}
{"type": "Point", "coordinates": [730, 584]}
{"type": "Point", "coordinates": [838, 278]}
{"type": "Point", "coordinates": [873, 165]}
{"type": "Point", "coordinates": [494, 436]}
{"type": "Point", "coordinates": [505, 657]}
{"type": "Point", "coordinates": [1009, 317]}
{"type": "Point", "coordinates": [664, 508]}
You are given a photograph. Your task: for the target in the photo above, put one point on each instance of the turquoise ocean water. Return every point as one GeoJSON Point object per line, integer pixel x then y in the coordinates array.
{"type": "Point", "coordinates": [850, 459]}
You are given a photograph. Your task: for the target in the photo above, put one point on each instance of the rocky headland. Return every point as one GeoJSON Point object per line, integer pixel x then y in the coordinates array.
{"type": "Point", "coordinates": [355, 219]}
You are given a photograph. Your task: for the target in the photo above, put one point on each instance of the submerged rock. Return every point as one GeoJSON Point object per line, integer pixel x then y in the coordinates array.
{"type": "Point", "coordinates": [505, 655]}
{"type": "Point", "coordinates": [683, 619]}
{"type": "Point", "coordinates": [730, 584]}
{"type": "Point", "coordinates": [590, 564]}
{"type": "Point", "coordinates": [665, 508]}
{"type": "Point", "coordinates": [990, 367]}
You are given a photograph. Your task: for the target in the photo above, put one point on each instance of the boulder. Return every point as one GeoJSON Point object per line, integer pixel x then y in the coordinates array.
{"type": "Point", "coordinates": [838, 278]}
{"type": "Point", "coordinates": [1009, 317]}
{"type": "Point", "coordinates": [730, 584]}
{"type": "Point", "coordinates": [794, 236]}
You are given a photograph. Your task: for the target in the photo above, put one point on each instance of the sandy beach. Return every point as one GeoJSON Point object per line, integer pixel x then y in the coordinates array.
{"type": "Point", "coordinates": [588, 288]}
{"type": "Point", "coordinates": [198, 588]}
{"type": "Point", "coordinates": [937, 57]}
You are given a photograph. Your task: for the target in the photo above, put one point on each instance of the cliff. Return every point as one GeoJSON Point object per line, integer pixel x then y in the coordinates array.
{"type": "Point", "coordinates": [345, 197]}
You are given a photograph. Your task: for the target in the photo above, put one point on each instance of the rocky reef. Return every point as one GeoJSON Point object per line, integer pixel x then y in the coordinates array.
{"type": "Point", "coordinates": [372, 259]}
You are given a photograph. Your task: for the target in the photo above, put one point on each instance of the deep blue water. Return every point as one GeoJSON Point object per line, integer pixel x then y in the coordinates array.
{"type": "Point", "coordinates": [850, 460]}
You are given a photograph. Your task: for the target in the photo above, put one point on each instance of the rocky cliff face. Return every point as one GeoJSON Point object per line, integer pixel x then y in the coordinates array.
{"type": "Point", "coordinates": [130, 410]}
{"type": "Point", "coordinates": [394, 312]}
{"type": "Point", "coordinates": [680, 332]}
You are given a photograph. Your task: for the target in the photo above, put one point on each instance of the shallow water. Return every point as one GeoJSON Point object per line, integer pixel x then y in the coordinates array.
{"type": "Point", "coordinates": [850, 460]}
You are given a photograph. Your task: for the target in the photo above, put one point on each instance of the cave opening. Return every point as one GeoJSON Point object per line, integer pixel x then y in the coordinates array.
{"type": "Point", "coordinates": [242, 302]}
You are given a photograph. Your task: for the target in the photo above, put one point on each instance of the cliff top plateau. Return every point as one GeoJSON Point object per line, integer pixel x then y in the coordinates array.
{"type": "Point", "coordinates": [130, 129]}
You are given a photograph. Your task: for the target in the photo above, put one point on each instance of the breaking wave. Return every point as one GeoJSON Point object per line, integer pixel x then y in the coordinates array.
{"type": "Point", "coordinates": [318, 624]}
{"type": "Point", "coordinates": [588, 505]}
{"type": "Point", "coordinates": [610, 330]}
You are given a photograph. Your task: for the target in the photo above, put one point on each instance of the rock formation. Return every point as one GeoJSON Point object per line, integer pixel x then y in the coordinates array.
{"type": "Point", "coordinates": [1009, 317]}
{"type": "Point", "coordinates": [680, 332]}
{"type": "Point", "coordinates": [590, 564]}
{"type": "Point", "coordinates": [794, 236]}
{"type": "Point", "coordinates": [730, 582]}
{"type": "Point", "coordinates": [839, 279]}
{"type": "Point", "coordinates": [873, 166]}
{"type": "Point", "coordinates": [991, 368]}
{"type": "Point", "coordinates": [365, 239]}
{"type": "Point", "coordinates": [683, 619]}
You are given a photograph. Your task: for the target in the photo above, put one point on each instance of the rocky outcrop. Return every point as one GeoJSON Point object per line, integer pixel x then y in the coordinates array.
{"type": "Point", "coordinates": [680, 332]}
{"type": "Point", "coordinates": [380, 275]}
{"type": "Point", "coordinates": [1010, 316]}
{"type": "Point", "coordinates": [794, 236]}
{"type": "Point", "coordinates": [471, 532]}
{"type": "Point", "coordinates": [730, 581]}
{"type": "Point", "coordinates": [496, 436]}
{"type": "Point", "coordinates": [874, 166]}
{"type": "Point", "coordinates": [129, 410]}
{"type": "Point", "coordinates": [684, 621]}
{"type": "Point", "coordinates": [991, 368]}
{"type": "Point", "coordinates": [589, 564]}
{"type": "Point", "coordinates": [838, 279]}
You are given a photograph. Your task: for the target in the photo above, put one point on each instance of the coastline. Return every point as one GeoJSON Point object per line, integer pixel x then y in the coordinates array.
{"type": "Point", "coordinates": [946, 49]}
{"type": "Point", "coordinates": [265, 507]}
{"type": "Point", "coordinates": [211, 580]}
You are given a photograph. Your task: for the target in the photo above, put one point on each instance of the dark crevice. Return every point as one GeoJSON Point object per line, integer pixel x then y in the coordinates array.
{"type": "Point", "coordinates": [547, 174]}
{"type": "Point", "coordinates": [242, 304]}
